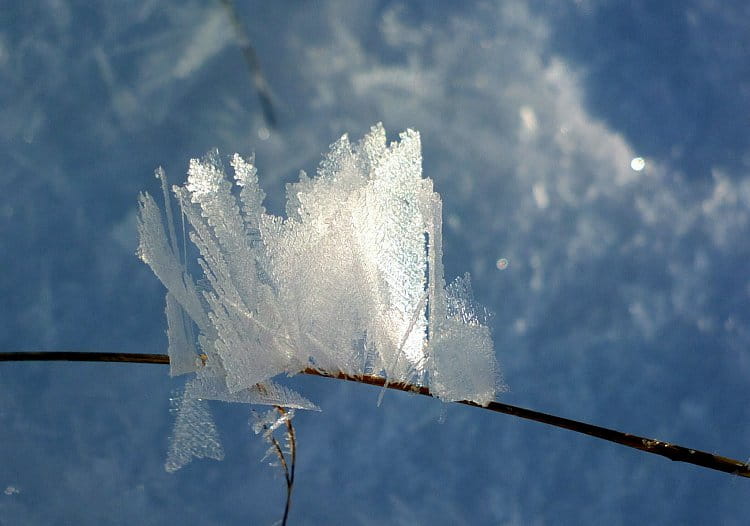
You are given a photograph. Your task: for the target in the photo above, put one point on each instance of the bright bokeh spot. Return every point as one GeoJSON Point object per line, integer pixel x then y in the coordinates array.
{"type": "Point", "coordinates": [502, 263]}
{"type": "Point", "coordinates": [528, 119]}
{"type": "Point", "coordinates": [638, 164]}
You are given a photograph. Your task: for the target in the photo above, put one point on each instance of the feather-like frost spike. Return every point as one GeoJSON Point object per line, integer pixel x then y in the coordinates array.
{"type": "Point", "coordinates": [351, 280]}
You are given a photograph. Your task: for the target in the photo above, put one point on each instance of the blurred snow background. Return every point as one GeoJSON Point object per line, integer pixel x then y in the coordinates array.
{"type": "Point", "coordinates": [624, 302]}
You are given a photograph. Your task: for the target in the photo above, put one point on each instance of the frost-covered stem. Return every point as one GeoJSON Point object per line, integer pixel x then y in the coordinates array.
{"type": "Point", "coordinates": [288, 467]}
{"type": "Point", "coordinates": [288, 471]}
{"type": "Point", "coordinates": [269, 424]}
{"type": "Point", "coordinates": [657, 447]}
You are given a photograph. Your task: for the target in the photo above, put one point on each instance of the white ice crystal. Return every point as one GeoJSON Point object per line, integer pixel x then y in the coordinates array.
{"type": "Point", "coordinates": [351, 281]}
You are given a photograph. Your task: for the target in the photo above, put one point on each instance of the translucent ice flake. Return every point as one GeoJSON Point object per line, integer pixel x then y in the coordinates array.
{"type": "Point", "coordinates": [351, 281]}
{"type": "Point", "coordinates": [194, 435]}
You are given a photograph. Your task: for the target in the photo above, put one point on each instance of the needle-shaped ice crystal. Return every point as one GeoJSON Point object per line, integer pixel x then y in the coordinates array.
{"type": "Point", "coordinates": [351, 280]}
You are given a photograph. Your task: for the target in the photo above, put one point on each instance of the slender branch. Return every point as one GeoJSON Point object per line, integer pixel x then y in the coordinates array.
{"type": "Point", "coordinates": [288, 469]}
{"type": "Point", "coordinates": [253, 65]}
{"type": "Point", "coordinates": [79, 356]}
{"type": "Point", "coordinates": [657, 447]}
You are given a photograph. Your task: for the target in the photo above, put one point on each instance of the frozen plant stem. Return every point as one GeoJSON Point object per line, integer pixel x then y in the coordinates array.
{"type": "Point", "coordinates": [290, 478]}
{"type": "Point", "coordinates": [288, 466]}
{"type": "Point", "coordinates": [268, 424]}
{"type": "Point", "coordinates": [671, 451]}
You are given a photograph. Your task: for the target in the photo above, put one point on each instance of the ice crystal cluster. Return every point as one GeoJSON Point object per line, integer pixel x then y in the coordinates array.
{"type": "Point", "coordinates": [351, 280]}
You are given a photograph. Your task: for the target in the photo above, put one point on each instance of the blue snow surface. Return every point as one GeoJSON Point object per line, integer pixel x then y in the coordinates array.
{"type": "Point", "coordinates": [593, 161]}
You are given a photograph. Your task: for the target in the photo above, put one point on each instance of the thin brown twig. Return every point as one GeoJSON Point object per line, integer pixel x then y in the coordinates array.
{"type": "Point", "coordinates": [288, 468]}
{"type": "Point", "coordinates": [671, 451]}
{"type": "Point", "coordinates": [253, 64]}
{"type": "Point", "coordinates": [83, 356]}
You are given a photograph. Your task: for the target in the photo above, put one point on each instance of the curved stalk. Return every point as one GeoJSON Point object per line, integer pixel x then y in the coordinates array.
{"type": "Point", "coordinates": [671, 451]}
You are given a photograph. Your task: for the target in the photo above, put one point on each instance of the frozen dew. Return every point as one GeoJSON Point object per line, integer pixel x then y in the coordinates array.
{"type": "Point", "coordinates": [351, 281]}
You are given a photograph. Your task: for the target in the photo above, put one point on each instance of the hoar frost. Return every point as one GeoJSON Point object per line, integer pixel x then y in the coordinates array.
{"type": "Point", "coordinates": [351, 281]}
